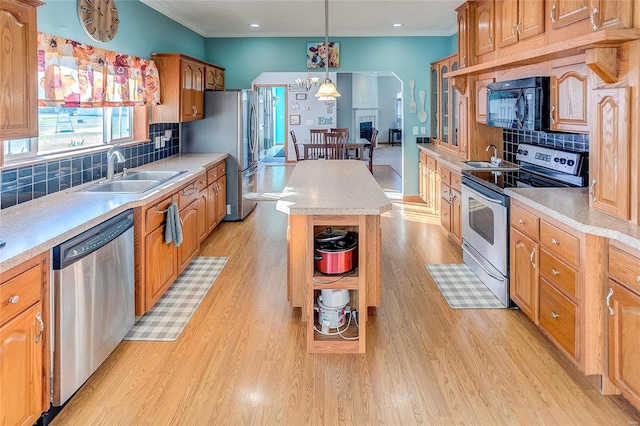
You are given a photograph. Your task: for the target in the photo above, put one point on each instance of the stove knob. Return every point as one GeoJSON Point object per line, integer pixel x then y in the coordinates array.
{"type": "Point", "coordinates": [570, 163]}
{"type": "Point", "coordinates": [519, 151]}
{"type": "Point", "coordinates": [563, 161]}
{"type": "Point", "coordinates": [556, 159]}
{"type": "Point", "coordinates": [525, 152]}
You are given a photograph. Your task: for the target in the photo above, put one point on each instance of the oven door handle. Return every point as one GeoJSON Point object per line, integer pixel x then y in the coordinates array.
{"type": "Point", "coordinates": [484, 197]}
{"type": "Point", "coordinates": [491, 274]}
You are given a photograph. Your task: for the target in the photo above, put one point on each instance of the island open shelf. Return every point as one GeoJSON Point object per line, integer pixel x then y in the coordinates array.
{"type": "Point", "coordinates": [341, 194]}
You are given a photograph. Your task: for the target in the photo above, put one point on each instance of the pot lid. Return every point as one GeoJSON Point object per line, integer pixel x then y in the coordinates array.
{"type": "Point", "coordinates": [330, 234]}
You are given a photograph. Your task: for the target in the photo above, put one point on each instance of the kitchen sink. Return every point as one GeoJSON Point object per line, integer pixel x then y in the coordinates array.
{"type": "Point", "coordinates": [159, 175]}
{"type": "Point", "coordinates": [134, 182]}
{"type": "Point", "coordinates": [123, 186]}
{"type": "Point", "coordinates": [505, 165]}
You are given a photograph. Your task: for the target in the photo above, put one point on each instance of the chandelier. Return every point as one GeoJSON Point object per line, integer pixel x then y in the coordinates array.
{"type": "Point", "coordinates": [327, 91]}
{"type": "Point", "coordinates": [308, 82]}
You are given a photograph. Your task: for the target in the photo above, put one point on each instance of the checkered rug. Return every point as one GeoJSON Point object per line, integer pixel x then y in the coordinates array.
{"type": "Point", "coordinates": [168, 317]}
{"type": "Point", "coordinates": [461, 288]}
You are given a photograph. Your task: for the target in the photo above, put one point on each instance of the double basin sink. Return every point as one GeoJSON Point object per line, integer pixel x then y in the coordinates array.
{"type": "Point", "coordinates": [488, 165]}
{"type": "Point", "coordinates": [134, 182]}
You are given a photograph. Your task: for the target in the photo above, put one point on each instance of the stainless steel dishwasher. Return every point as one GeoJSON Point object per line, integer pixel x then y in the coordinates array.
{"type": "Point", "coordinates": [93, 301]}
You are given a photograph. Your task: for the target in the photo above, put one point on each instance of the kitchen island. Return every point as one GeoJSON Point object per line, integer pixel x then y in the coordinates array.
{"type": "Point", "coordinates": [338, 194]}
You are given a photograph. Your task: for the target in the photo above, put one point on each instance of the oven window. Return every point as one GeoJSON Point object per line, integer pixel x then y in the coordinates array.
{"type": "Point", "coordinates": [481, 219]}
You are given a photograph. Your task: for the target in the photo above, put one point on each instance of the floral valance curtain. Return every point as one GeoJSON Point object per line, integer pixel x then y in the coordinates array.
{"type": "Point", "coordinates": [73, 74]}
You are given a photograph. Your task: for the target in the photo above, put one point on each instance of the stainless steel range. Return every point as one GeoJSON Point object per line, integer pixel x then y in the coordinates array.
{"type": "Point", "coordinates": [485, 208]}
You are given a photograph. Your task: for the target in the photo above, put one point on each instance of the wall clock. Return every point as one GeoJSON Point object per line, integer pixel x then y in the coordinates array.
{"type": "Point", "coordinates": [99, 18]}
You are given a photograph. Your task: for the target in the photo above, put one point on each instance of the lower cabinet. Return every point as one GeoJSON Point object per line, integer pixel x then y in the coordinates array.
{"type": "Point", "coordinates": [623, 303]}
{"type": "Point", "coordinates": [158, 263]}
{"type": "Point", "coordinates": [450, 202]}
{"type": "Point", "coordinates": [557, 280]}
{"type": "Point", "coordinates": [24, 342]}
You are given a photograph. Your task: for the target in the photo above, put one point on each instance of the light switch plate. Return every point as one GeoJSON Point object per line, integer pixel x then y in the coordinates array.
{"type": "Point", "coordinates": [415, 130]}
{"type": "Point", "coordinates": [423, 130]}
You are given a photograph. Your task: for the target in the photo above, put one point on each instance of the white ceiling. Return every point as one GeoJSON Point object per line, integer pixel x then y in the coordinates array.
{"type": "Point", "coordinates": [305, 18]}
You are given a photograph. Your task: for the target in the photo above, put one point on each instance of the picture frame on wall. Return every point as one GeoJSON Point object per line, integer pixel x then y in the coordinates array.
{"type": "Point", "coordinates": [301, 96]}
{"type": "Point", "coordinates": [294, 120]}
{"type": "Point", "coordinates": [317, 54]}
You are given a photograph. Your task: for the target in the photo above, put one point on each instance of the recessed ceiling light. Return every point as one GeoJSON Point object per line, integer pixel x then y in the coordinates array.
{"type": "Point", "coordinates": [254, 25]}
{"type": "Point", "coordinates": [397, 24]}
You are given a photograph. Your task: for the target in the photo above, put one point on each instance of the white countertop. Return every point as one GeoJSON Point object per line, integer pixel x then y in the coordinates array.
{"type": "Point", "coordinates": [36, 226]}
{"type": "Point", "coordinates": [332, 187]}
{"type": "Point", "coordinates": [571, 206]}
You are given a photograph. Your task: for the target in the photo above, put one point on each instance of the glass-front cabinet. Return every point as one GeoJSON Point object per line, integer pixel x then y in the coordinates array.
{"type": "Point", "coordinates": [434, 103]}
{"type": "Point", "coordinates": [444, 103]}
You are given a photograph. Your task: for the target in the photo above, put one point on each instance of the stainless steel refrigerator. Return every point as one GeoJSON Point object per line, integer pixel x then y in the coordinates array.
{"type": "Point", "coordinates": [230, 125]}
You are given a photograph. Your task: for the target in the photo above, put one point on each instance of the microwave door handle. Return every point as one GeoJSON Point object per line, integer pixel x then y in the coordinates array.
{"type": "Point", "coordinates": [520, 109]}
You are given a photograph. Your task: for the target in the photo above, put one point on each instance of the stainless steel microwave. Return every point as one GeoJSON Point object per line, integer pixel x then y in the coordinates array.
{"type": "Point", "coordinates": [519, 104]}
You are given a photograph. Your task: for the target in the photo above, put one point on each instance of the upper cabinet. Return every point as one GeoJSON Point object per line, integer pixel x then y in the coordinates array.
{"type": "Point", "coordinates": [569, 98]}
{"type": "Point", "coordinates": [573, 18]}
{"type": "Point", "coordinates": [466, 13]}
{"type": "Point", "coordinates": [518, 20]}
{"type": "Point", "coordinates": [213, 78]}
{"type": "Point", "coordinates": [183, 81]}
{"type": "Point", "coordinates": [19, 100]}
{"type": "Point", "coordinates": [484, 30]}
{"type": "Point", "coordinates": [443, 102]}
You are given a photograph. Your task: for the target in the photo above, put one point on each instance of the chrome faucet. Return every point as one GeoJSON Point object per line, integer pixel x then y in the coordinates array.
{"type": "Point", "coordinates": [113, 156]}
{"type": "Point", "coordinates": [494, 158]}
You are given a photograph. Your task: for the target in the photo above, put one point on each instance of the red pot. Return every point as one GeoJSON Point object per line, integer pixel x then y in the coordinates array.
{"type": "Point", "coordinates": [336, 252]}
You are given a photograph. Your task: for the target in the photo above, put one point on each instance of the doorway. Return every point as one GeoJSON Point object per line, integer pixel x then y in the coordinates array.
{"type": "Point", "coordinates": [272, 126]}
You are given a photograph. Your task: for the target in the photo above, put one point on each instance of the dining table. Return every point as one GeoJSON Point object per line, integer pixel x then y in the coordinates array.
{"type": "Point", "coordinates": [355, 149]}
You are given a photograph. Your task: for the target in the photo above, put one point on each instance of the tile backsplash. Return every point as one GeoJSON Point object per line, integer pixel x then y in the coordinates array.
{"type": "Point", "coordinates": [575, 142]}
{"type": "Point", "coordinates": [22, 184]}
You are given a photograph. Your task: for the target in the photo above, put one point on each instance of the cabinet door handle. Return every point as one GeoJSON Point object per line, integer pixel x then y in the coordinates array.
{"type": "Point", "coordinates": [552, 13]}
{"type": "Point", "coordinates": [14, 299]}
{"type": "Point", "coordinates": [554, 272]}
{"type": "Point", "coordinates": [491, 40]}
{"type": "Point", "coordinates": [592, 190]}
{"type": "Point", "coordinates": [533, 253]}
{"type": "Point", "coordinates": [609, 301]}
{"type": "Point", "coordinates": [521, 221]}
{"type": "Point", "coordinates": [513, 30]}
{"type": "Point", "coordinates": [555, 242]}
{"type": "Point", "coordinates": [551, 114]}
{"type": "Point", "coordinates": [39, 318]}
{"type": "Point", "coordinates": [592, 18]}
{"type": "Point", "coordinates": [638, 278]}
{"type": "Point", "coordinates": [554, 315]}
{"type": "Point", "coordinates": [463, 62]}
{"type": "Point", "coordinates": [519, 28]}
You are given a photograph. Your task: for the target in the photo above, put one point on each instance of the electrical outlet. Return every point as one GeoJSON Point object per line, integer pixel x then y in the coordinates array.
{"type": "Point", "coordinates": [228, 208]}
{"type": "Point", "coordinates": [423, 130]}
{"type": "Point", "coordinates": [158, 142]}
{"type": "Point", "coordinates": [415, 130]}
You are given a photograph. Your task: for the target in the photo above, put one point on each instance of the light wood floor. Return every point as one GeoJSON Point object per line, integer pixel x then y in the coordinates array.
{"type": "Point", "coordinates": [242, 360]}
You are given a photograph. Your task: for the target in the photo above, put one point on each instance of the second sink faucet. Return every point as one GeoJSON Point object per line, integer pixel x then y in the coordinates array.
{"type": "Point", "coordinates": [113, 156]}
{"type": "Point", "coordinates": [494, 158]}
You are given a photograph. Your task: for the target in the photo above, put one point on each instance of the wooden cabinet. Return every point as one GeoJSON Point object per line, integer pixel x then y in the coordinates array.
{"type": "Point", "coordinates": [623, 303]}
{"type": "Point", "coordinates": [518, 20]}
{"type": "Point", "coordinates": [450, 202]}
{"type": "Point", "coordinates": [214, 78]}
{"type": "Point", "coordinates": [466, 16]}
{"type": "Point", "coordinates": [24, 342]}
{"type": "Point", "coordinates": [573, 18]}
{"type": "Point", "coordinates": [557, 280]}
{"type": "Point", "coordinates": [569, 98]}
{"type": "Point", "coordinates": [192, 87]}
{"type": "Point", "coordinates": [484, 30]}
{"type": "Point", "coordinates": [183, 81]}
{"type": "Point", "coordinates": [19, 100]}
{"type": "Point", "coordinates": [610, 151]}
{"type": "Point", "coordinates": [430, 182]}
{"type": "Point", "coordinates": [216, 195]}
{"type": "Point", "coordinates": [481, 98]}
{"type": "Point", "coordinates": [158, 263]}
{"type": "Point", "coordinates": [567, 12]}
{"type": "Point", "coordinates": [445, 104]}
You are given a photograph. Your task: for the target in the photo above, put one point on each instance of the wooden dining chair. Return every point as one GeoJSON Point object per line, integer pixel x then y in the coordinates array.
{"type": "Point", "coordinates": [344, 130]}
{"type": "Point", "coordinates": [295, 145]}
{"type": "Point", "coordinates": [317, 135]}
{"type": "Point", "coordinates": [374, 141]}
{"type": "Point", "coordinates": [336, 145]}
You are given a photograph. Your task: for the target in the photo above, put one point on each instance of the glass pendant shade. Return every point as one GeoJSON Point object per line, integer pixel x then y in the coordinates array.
{"type": "Point", "coordinates": [327, 91]}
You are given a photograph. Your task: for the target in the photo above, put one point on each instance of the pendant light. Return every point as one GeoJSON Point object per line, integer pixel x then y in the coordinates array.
{"type": "Point", "coordinates": [327, 91]}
